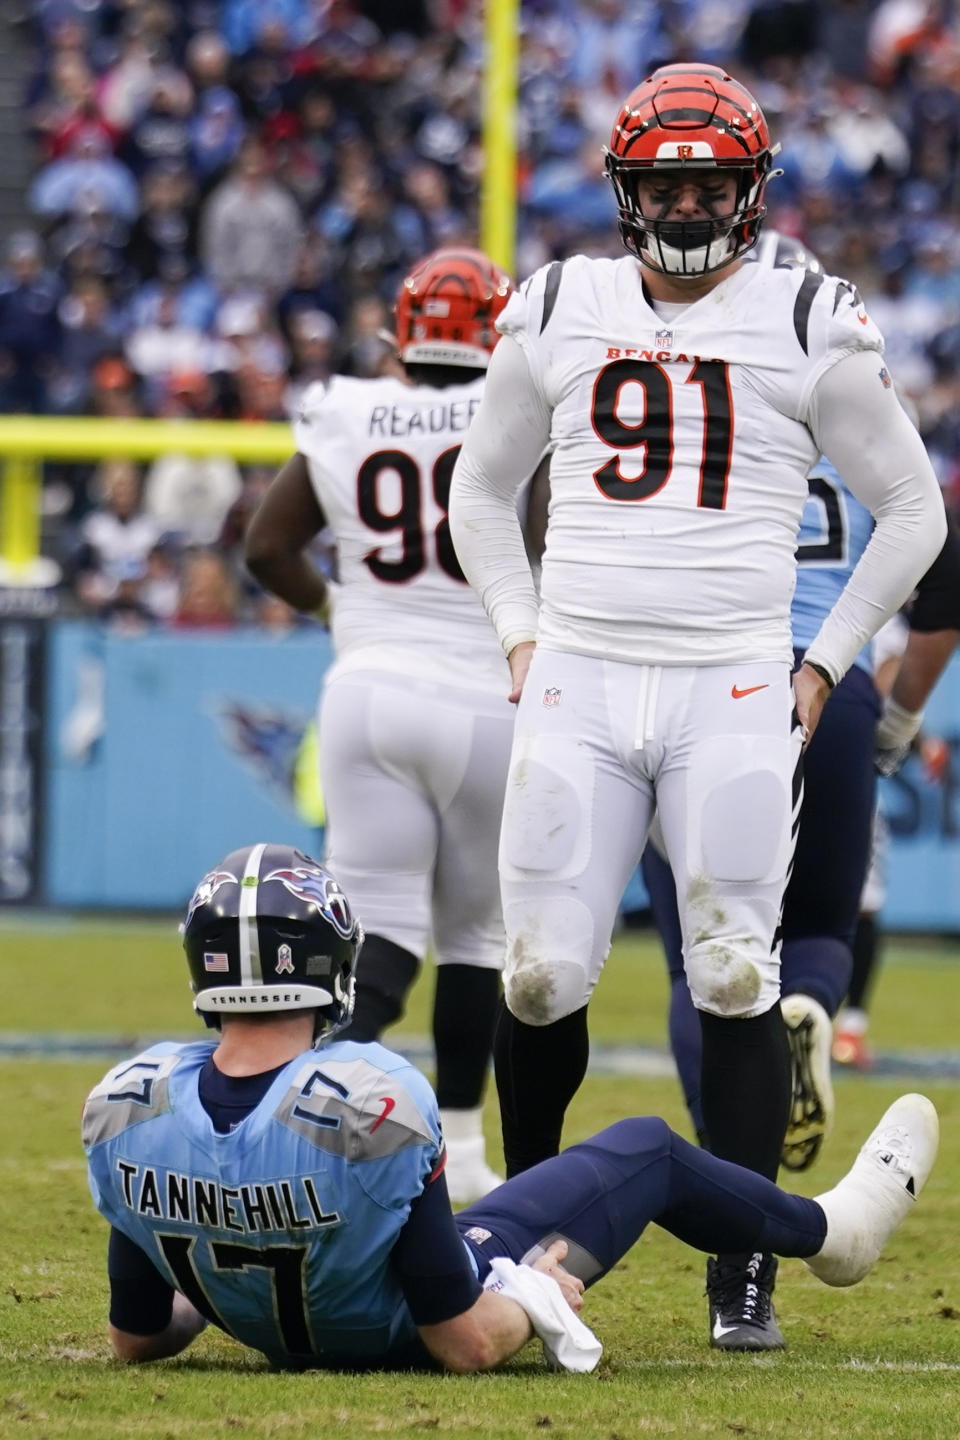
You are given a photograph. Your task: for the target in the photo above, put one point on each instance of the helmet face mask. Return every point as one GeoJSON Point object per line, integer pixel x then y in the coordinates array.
{"type": "Point", "coordinates": [690, 123]}
{"type": "Point", "coordinates": [270, 930]}
{"type": "Point", "coordinates": [447, 306]}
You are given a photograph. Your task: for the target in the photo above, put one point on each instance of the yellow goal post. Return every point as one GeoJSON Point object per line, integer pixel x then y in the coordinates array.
{"type": "Point", "coordinates": [27, 441]}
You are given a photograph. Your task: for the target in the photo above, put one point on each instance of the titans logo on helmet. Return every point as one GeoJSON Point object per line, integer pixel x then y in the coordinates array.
{"type": "Point", "coordinates": [318, 888]}
{"type": "Point", "coordinates": [208, 887]}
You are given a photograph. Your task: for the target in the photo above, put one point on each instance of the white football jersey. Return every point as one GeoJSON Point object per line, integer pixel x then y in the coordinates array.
{"type": "Point", "coordinates": [380, 455]}
{"type": "Point", "coordinates": [680, 454]}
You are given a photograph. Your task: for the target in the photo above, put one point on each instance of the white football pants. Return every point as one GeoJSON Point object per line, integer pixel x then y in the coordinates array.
{"type": "Point", "coordinates": [413, 775]}
{"type": "Point", "coordinates": [598, 745]}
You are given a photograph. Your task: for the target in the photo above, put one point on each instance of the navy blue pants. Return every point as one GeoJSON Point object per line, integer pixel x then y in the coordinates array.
{"type": "Point", "coordinates": [600, 1195]}
{"type": "Point", "coordinates": [822, 900]}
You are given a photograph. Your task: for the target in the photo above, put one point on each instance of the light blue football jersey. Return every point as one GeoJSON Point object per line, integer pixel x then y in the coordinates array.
{"type": "Point", "coordinates": [833, 534]}
{"type": "Point", "coordinates": [281, 1230]}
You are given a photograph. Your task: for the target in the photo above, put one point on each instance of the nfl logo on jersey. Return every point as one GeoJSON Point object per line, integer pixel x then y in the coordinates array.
{"type": "Point", "coordinates": [664, 340]}
{"type": "Point", "coordinates": [552, 695]}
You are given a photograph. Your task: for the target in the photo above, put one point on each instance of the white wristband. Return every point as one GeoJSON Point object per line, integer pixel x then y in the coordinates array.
{"type": "Point", "coordinates": [568, 1344]}
{"type": "Point", "coordinates": [896, 725]}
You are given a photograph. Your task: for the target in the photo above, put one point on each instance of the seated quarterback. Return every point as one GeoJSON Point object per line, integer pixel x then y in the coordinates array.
{"type": "Point", "coordinates": [289, 1188]}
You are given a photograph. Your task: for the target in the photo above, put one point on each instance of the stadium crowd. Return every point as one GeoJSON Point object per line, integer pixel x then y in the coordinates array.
{"type": "Point", "coordinates": [227, 193]}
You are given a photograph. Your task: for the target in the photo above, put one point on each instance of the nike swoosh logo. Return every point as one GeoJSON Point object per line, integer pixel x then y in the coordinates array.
{"type": "Point", "coordinates": [862, 319]}
{"type": "Point", "coordinates": [720, 1330]}
{"type": "Point", "coordinates": [388, 1105]}
{"type": "Point", "coordinates": [750, 690]}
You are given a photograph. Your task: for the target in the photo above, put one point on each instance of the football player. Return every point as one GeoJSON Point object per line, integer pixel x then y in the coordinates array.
{"type": "Point", "coordinates": [288, 1186]}
{"type": "Point", "coordinates": [821, 934]}
{"type": "Point", "coordinates": [414, 731]}
{"type": "Point", "coordinates": [687, 395]}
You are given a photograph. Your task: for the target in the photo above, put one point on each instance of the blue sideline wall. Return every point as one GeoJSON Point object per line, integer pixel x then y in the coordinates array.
{"type": "Point", "coordinates": [198, 737]}
{"type": "Point", "coordinates": [197, 742]}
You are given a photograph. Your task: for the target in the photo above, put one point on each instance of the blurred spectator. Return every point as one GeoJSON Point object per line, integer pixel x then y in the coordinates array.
{"type": "Point", "coordinates": [91, 330]}
{"type": "Point", "coordinates": [208, 593]}
{"type": "Point", "coordinates": [113, 388]}
{"type": "Point", "coordinates": [250, 337]}
{"type": "Point", "coordinates": [29, 325]}
{"type": "Point", "coordinates": [250, 227]}
{"type": "Point", "coordinates": [193, 395]}
{"type": "Point", "coordinates": [56, 97]}
{"type": "Point", "coordinates": [244, 22]}
{"type": "Point", "coordinates": [86, 172]}
{"type": "Point", "coordinates": [216, 134]}
{"type": "Point", "coordinates": [125, 88]}
{"type": "Point", "coordinates": [165, 343]}
{"type": "Point", "coordinates": [274, 614]}
{"type": "Point", "coordinates": [115, 538]}
{"type": "Point", "coordinates": [166, 228]}
{"type": "Point", "coordinates": [90, 242]}
{"type": "Point", "coordinates": [160, 134]}
{"type": "Point", "coordinates": [369, 349]}
{"type": "Point", "coordinates": [159, 589]}
{"type": "Point", "coordinates": [313, 338]}
{"type": "Point", "coordinates": [315, 285]}
{"type": "Point", "coordinates": [188, 496]}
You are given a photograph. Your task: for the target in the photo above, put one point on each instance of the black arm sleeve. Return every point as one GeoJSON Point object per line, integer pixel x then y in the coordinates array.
{"type": "Point", "coordinates": [937, 603]}
{"type": "Point", "coordinates": [431, 1260]}
{"type": "Point", "coordinates": [141, 1300]}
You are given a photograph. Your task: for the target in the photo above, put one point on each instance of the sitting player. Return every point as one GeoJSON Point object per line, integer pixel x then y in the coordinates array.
{"type": "Point", "coordinates": [289, 1187]}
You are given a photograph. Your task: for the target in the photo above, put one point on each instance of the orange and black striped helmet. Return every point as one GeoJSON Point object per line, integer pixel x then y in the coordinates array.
{"type": "Point", "coordinates": [698, 122]}
{"type": "Point", "coordinates": [446, 308]}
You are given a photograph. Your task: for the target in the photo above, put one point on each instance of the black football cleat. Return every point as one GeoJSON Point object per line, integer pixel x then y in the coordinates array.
{"type": "Point", "coordinates": [739, 1289]}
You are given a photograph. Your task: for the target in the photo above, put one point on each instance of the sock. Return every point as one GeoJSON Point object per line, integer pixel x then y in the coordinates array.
{"type": "Point", "coordinates": [852, 1022]}
{"type": "Point", "coordinates": [746, 1088]}
{"type": "Point", "coordinates": [465, 1005]}
{"type": "Point", "coordinates": [539, 1069]}
{"type": "Point", "coordinates": [865, 951]}
{"type": "Point", "coordinates": [461, 1124]}
{"type": "Point", "coordinates": [818, 966]}
{"type": "Point", "coordinates": [385, 973]}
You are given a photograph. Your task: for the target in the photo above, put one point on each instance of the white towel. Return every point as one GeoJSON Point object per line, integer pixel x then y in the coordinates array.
{"type": "Point", "coordinates": [568, 1344]}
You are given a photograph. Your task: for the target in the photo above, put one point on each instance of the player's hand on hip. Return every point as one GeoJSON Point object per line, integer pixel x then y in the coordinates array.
{"type": "Point", "coordinates": [550, 1263]}
{"type": "Point", "coordinates": [810, 692]}
{"type": "Point", "coordinates": [519, 662]}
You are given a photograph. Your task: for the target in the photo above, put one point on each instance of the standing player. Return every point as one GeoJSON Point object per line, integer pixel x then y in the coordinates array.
{"type": "Point", "coordinates": [414, 732]}
{"type": "Point", "coordinates": [290, 1188]}
{"type": "Point", "coordinates": [686, 397]}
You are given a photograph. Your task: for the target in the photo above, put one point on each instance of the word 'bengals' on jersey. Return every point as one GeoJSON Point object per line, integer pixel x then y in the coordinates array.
{"type": "Point", "coordinates": [380, 455]}
{"type": "Point", "coordinates": [681, 451]}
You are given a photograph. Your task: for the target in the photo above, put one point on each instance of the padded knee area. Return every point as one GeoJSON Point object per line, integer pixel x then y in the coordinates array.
{"type": "Point", "coordinates": [542, 993]}
{"type": "Point", "coordinates": [725, 979]}
{"type": "Point", "coordinates": [549, 969]}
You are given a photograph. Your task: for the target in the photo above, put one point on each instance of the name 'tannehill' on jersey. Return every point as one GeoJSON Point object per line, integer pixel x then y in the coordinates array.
{"type": "Point", "coordinates": [681, 452]}
{"type": "Point", "coordinates": [380, 455]}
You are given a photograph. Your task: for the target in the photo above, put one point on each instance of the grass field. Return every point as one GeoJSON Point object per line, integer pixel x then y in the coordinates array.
{"type": "Point", "coordinates": [882, 1359]}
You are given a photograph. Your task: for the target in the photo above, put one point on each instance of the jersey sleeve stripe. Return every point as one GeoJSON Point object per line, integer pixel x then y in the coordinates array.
{"type": "Point", "coordinates": [801, 310]}
{"type": "Point", "coordinates": [550, 292]}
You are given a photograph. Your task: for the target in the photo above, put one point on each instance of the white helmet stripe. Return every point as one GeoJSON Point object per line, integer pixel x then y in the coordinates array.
{"type": "Point", "coordinates": [251, 972]}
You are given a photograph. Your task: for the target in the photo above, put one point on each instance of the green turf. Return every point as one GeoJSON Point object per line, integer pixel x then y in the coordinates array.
{"type": "Point", "coordinates": [882, 1359]}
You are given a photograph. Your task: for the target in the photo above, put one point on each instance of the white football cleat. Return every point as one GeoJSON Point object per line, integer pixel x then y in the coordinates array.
{"type": "Point", "coordinates": [469, 1177]}
{"type": "Point", "coordinates": [810, 1035]}
{"type": "Point", "coordinates": [878, 1192]}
